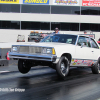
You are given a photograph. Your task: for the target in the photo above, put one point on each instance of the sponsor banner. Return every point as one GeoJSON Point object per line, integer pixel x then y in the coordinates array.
{"type": "Point", "coordinates": [66, 2]}
{"type": "Point", "coordinates": [9, 1]}
{"type": "Point", "coordinates": [35, 1]}
{"type": "Point", "coordinates": [90, 2]}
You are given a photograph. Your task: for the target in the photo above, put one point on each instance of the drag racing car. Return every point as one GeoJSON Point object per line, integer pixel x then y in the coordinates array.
{"type": "Point", "coordinates": [60, 52]}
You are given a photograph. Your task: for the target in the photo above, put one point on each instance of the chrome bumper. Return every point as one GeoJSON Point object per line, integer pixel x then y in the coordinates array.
{"type": "Point", "coordinates": [51, 58]}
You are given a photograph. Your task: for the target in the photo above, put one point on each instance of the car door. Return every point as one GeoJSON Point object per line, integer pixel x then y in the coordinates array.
{"type": "Point", "coordinates": [84, 53]}
{"type": "Point", "coordinates": [95, 49]}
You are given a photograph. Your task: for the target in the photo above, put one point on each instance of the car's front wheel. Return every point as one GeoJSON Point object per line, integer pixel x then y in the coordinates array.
{"type": "Point", "coordinates": [23, 66]}
{"type": "Point", "coordinates": [62, 67]}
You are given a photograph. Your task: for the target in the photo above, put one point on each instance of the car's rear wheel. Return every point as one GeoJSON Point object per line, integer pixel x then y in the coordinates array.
{"type": "Point", "coordinates": [96, 68]}
{"type": "Point", "coordinates": [23, 66]}
{"type": "Point", "coordinates": [62, 67]}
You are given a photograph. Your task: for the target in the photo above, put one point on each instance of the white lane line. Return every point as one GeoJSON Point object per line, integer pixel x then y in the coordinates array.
{"type": "Point", "coordinates": [4, 71]}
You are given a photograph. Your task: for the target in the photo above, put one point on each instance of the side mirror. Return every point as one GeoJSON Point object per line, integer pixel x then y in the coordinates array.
{"type": "Point", "coordinates": [82, 45]}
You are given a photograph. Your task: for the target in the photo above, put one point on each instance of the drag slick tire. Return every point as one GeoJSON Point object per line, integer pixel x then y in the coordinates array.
{"type": "Point", "coordinates": [62, 67]}
{"type": "Point", "coordinates": [95, 68]}
{"type": "Point", "coordinates": [23, 66]}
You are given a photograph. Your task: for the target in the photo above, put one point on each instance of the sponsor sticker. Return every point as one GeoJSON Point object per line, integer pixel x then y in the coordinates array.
{"type": "Point", "coordinates": [35, 1]}
{"type": "Point", "coordinates": [74, 64]}
{"type": "Point", "coordinates": [9, 1]}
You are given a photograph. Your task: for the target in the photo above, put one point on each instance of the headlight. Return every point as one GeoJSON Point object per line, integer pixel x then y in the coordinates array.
{"type": "Point", "coordinates": [48, 51]}
{"type": "Point", "coordinates": [14, 49]}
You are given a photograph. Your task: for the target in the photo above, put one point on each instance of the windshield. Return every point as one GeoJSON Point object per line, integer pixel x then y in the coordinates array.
{"type": "Point", "coordinates": [62, 38]}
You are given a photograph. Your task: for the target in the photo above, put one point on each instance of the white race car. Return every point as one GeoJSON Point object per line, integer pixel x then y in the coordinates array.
{"type": "Point", "coordinates": [59, 51]}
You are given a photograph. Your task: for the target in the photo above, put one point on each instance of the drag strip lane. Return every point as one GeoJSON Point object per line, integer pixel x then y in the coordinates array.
{"type": "Point", "coordinates": [42, 83]}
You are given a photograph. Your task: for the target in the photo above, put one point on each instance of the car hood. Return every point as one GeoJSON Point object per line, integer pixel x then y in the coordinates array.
{"type": "Point", "coordinates": [50, 44]}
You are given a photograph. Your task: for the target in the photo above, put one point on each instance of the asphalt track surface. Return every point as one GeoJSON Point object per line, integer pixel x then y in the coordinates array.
{"type": "Point", "coordinates": [42, 83]}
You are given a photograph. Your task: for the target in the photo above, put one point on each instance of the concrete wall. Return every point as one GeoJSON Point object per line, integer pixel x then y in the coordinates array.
{"type": "Point", "coordinates": [49, 18]}
{"type": "Point", "coordinates": [11, 35]}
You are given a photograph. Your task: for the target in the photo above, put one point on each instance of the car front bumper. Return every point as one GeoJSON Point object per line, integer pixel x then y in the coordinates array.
{"type": "Point", "coordinates": [51, 58]}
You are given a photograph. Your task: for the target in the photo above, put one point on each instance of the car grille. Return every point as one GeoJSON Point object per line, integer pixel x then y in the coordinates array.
{"type": "Point", "coordinates": [30, 49]}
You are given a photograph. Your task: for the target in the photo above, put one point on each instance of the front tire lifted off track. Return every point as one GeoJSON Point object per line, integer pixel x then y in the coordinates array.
{"type": "Point", "coordinates": [23, 66]}
{"type": "Point", "coordinates": [62, 67]}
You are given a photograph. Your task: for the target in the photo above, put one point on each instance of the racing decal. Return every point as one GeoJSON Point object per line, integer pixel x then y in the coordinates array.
{"type": "Point", "coordinates": [35, 1]}
{"type": "Point", "coordinates": [9, 1]}
{"type": "Point", "coordinates": [66, 2]}
{"type": "Point", "coordinates": [77, 62]}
